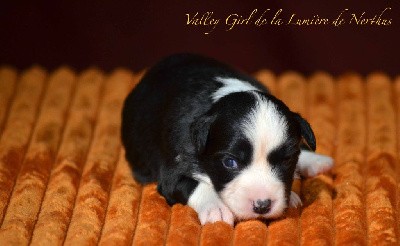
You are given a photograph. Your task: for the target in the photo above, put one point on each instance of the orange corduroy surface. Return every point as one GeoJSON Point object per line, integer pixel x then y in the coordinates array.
{"type": "Point", "coordinates": [64, 179]}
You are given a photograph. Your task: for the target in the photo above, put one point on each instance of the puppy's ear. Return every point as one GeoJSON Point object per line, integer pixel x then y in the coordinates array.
{"type": "Point", "coordinates": [199, 131]}
{"type": "Point", "coordinates": [306, 132]}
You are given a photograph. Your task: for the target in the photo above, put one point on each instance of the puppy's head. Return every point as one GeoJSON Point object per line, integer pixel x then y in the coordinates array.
{"type": "Point", "coordinates": [248, 145]}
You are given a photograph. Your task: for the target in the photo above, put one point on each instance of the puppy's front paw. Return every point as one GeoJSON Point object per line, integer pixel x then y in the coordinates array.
{"type": "Point", "coordinates": [294, 200]}
{"type": "Point", "coordinates": [216, 212]}
{"type": "Point", "coordinates": [209, 207]}
{"type": "Point", "coordinates": [311, 164]}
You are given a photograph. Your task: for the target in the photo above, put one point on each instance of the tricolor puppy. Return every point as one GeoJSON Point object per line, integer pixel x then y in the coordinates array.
{"type": "Point", "coordinates": [217, 140]}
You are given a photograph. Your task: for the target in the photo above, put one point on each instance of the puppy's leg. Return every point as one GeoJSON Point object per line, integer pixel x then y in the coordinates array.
{"type": "Point", "coordinates": [311, 164]}
{"type": "Point", "coordinates": [177, 189]}
{"type": "Point", "coordinates": [199, 194]}
{"type": "Point", "coordinates": [208, 205]}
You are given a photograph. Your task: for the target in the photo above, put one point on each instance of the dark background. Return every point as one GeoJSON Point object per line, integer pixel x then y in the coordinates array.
{"type": "Point", "coordinates": [135, 34]}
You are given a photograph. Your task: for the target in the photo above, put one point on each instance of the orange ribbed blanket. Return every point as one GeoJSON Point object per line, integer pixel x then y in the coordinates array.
{"type": "Point", "coordinates": [64, 179]}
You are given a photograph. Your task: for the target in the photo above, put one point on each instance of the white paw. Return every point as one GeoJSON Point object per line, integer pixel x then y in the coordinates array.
{"type": "Point", "coordinates": [311, 164]}
{"type": "Point", "coordinates": [209, 207]}
{"type": "Point", "coordinates": [321, 164]}
{"type": "Point", "coordinates": [214, 213]}
{"type": "Point", "coordinates": [295, 200]}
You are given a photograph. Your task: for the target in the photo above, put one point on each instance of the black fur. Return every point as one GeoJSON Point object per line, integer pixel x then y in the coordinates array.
{"type": "Point", "coordinates": [171, 128]}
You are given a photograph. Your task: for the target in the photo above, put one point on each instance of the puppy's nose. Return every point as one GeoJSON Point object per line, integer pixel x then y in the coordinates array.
{"type": "Point", "coordinates": [262, 206]}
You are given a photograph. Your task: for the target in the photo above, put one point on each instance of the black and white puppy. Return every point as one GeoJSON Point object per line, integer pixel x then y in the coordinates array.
{"type": "Point", "coordinates": [215, 139]}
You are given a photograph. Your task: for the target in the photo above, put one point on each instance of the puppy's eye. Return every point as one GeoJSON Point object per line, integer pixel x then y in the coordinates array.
{"type": "Point", "coordinates": [230, 163]}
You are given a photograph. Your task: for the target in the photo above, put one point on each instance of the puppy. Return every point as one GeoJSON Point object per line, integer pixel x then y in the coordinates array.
{"type": "Point", "coordinates": [217, 140]}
